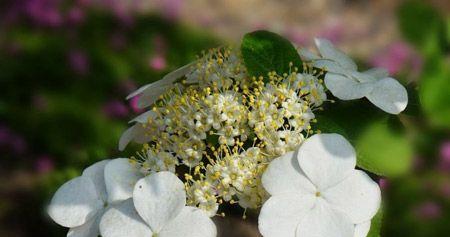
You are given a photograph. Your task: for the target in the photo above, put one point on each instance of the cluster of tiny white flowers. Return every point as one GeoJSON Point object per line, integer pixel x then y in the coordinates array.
{"type": "Point", "coordinates": [226, 126]}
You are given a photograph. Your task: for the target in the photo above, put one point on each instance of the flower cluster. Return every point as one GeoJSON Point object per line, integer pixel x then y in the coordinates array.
{"type": "Point", "coordinates": [236, 138]}
{"type": "Point", "coordinates": [225, 126]}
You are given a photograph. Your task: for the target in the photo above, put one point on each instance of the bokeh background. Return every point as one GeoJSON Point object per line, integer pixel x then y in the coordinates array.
{"type": "Point", "coordinates": [67, 65]}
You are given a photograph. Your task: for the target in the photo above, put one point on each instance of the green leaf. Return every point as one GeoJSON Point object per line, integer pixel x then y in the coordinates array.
{"type": "Point", "coordinates": [328, 125]}
{"type": "Point", "coordinates": [415, 29]}
{"type": "Point", "coordinates": [378, 138]}
{"type": "Point", "coordinates": [264, 52]}
{"type": "Point", "coordinates": [375, 225]}
{"type": "Point", "coordinates": [384, 151]}
{"type": "Point", "coordinates": [434, 92]}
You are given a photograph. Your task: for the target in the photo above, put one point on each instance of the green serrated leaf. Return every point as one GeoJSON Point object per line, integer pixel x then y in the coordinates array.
{"type": "Point", "coordinates": [375, 224]}
{"type": "Point", "coordinates": [383, 151]}
{"type": "Point", "coordinates": [264, 52]}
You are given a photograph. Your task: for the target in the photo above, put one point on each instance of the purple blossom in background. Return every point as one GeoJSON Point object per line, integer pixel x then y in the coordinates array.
{"type": "Point", "coordinates": [171, 8]}
{"type": "Point", "coordinates": [12, 142]}
{"type": "Point", "coordinates": [396, 57]}
{"type": "Point", "coordinates": [428, 210]}
{"type": "Point", "coordinates": [134, 105]}
{"type": "Point", "coordinates": [115, 109]}
{"type": "Point", "coordinates": [75, 16]}
{"type": "Point", "coordinates": [44, 164]}
{"type": "Point", "coordinates": [384, 183]}
{"type": "Point", "coordinates": [43, 12]}
{"type": "Point", "coordinates": [444, 153]}
{"type": "Point", "coordinates": [296, 37]}
{"type": "Point", "coordinates": [78, 62]}
{"type": "Point", "coordinates": [157, 63]}
{"type": "Point", "coordinates": [333, 32]}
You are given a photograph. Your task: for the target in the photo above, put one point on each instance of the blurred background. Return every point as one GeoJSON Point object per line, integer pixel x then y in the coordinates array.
{"type": "Point", "coordinates": [66, 67]}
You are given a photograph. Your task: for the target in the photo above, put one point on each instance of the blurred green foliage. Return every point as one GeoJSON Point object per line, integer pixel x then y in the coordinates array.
{"type": "Point", "coordinates": [58, 107]}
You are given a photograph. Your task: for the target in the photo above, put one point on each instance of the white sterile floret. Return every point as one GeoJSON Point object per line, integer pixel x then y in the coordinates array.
{"type": "Point", "coordinates": [346, 83]}
{"type": "Point", "coordinates": [80, 203]}
{"type": "Point", "coordinates": [157, 209]}
{"type": "Point", "coordinates": [317, 192]}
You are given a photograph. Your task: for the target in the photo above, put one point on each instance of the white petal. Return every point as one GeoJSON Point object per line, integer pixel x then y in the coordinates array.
{"type": "Point", "coordinates": [120, 177]}
{"type": "Point", "coordinates": [358, 196]}
{"type": "Point", "coordinates": [307, 54]}
{"type": "Point", "coordinates": [167, 79]}
{"type": "Point", "coordinates": [346, 88]}
{"type": "Point", "coordinates": [284, 175]}
{"type": "Point", "coordinates": [324, 221]}
{"type": "Point", "coordinates": [328, 51]}
{"type": "Point", "coordinates": [361, 230]}
{"type": "Point", "coordinates": [377, 73]}
{"type": "Point", "coordinates": [326, 159]}
{"type": "Point", "coordinates": [151, 92]}
{"type": "Point", "coordinates": [389, 95]}
{"type": "Point", "coordinates": [75, 202]}
{"type": "Point", "coordinates": [96, 173]}
{"type": "Point", "coordinates": [123, 220]}
{"type": "Point", "coordinates": [331, 66]}
{"type": "Point", "coordinates": [88, 229]}
{"type": "Point", "coordinates": [191, 222]}
{"type": "Point", "coordinates": [135, 133]}
{"type": "Point", "coordinates": [143, 118]}
{"type": "Point", "coordinates": [363, 77]}
{"type": "Point", "coordinates": [159, 198]}
{"type": "Point", "coordinates": [281, 214]}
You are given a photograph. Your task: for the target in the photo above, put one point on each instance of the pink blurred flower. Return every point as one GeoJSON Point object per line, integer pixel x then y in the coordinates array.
{"type": "Point", "coordinates": [115, 109]}
{"type": "Point", "coordinates": [297, 37]}
{"type": "Point", "coordinates": [384, 183]}
{"type": "Point", "coordinates": [134, 105]}
{"type": "Point", "coordinates": [428, 210]}
{"type": "Point", "coordinates": [333, 32]}
{"type": "Point", "coordinates": [171, 8]}
{"type": "Point", "coordinates": [157, 63]}
{"type": "Point", "coordinates": [396, 57]}
{"type": "Point", "coordinates": [44, 164]}
{"type": "Point", "coordinates": [44, 12]}
{"type": "Point", "coordinates": [79, 62]}
{"type": "Point", "coordinates": [75, 16]}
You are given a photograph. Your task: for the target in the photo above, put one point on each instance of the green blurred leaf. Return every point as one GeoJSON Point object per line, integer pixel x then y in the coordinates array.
{"type": "Point", "coordinates": [418, 21]}
{"type": "Point", "coordinates": [375, 225]}
{"type": "Point", "coordinates": [383, 151]}
{"type": "Point", "coordinates": [434, 94]}
{"type": "Point", "coordinates": [265, 51]}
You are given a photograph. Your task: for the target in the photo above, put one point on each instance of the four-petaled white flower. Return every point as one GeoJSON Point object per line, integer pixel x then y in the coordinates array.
{"type": "Point", "coordinates": [157, 209]}
{"type": "Point", "coordinates": [80, 203]}
{"type": "Point", "coordinates": [317, 192]}
{"type": "Point", "coordinates": [346, 83]}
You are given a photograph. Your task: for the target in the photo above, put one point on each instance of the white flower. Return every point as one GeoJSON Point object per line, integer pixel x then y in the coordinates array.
{"type": "Point", "coordinates": [316, 191]}
{"type": "Point", "coordinates": [346, 83]}
{"type": "Point", "coordinates": [136, 132]}
{"type": "Point", "coordinates": [159, 210]}
{"type": "Point", "coordinates": [151, 92]}
{"type": "Point", "coordinates": [80, 203]}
